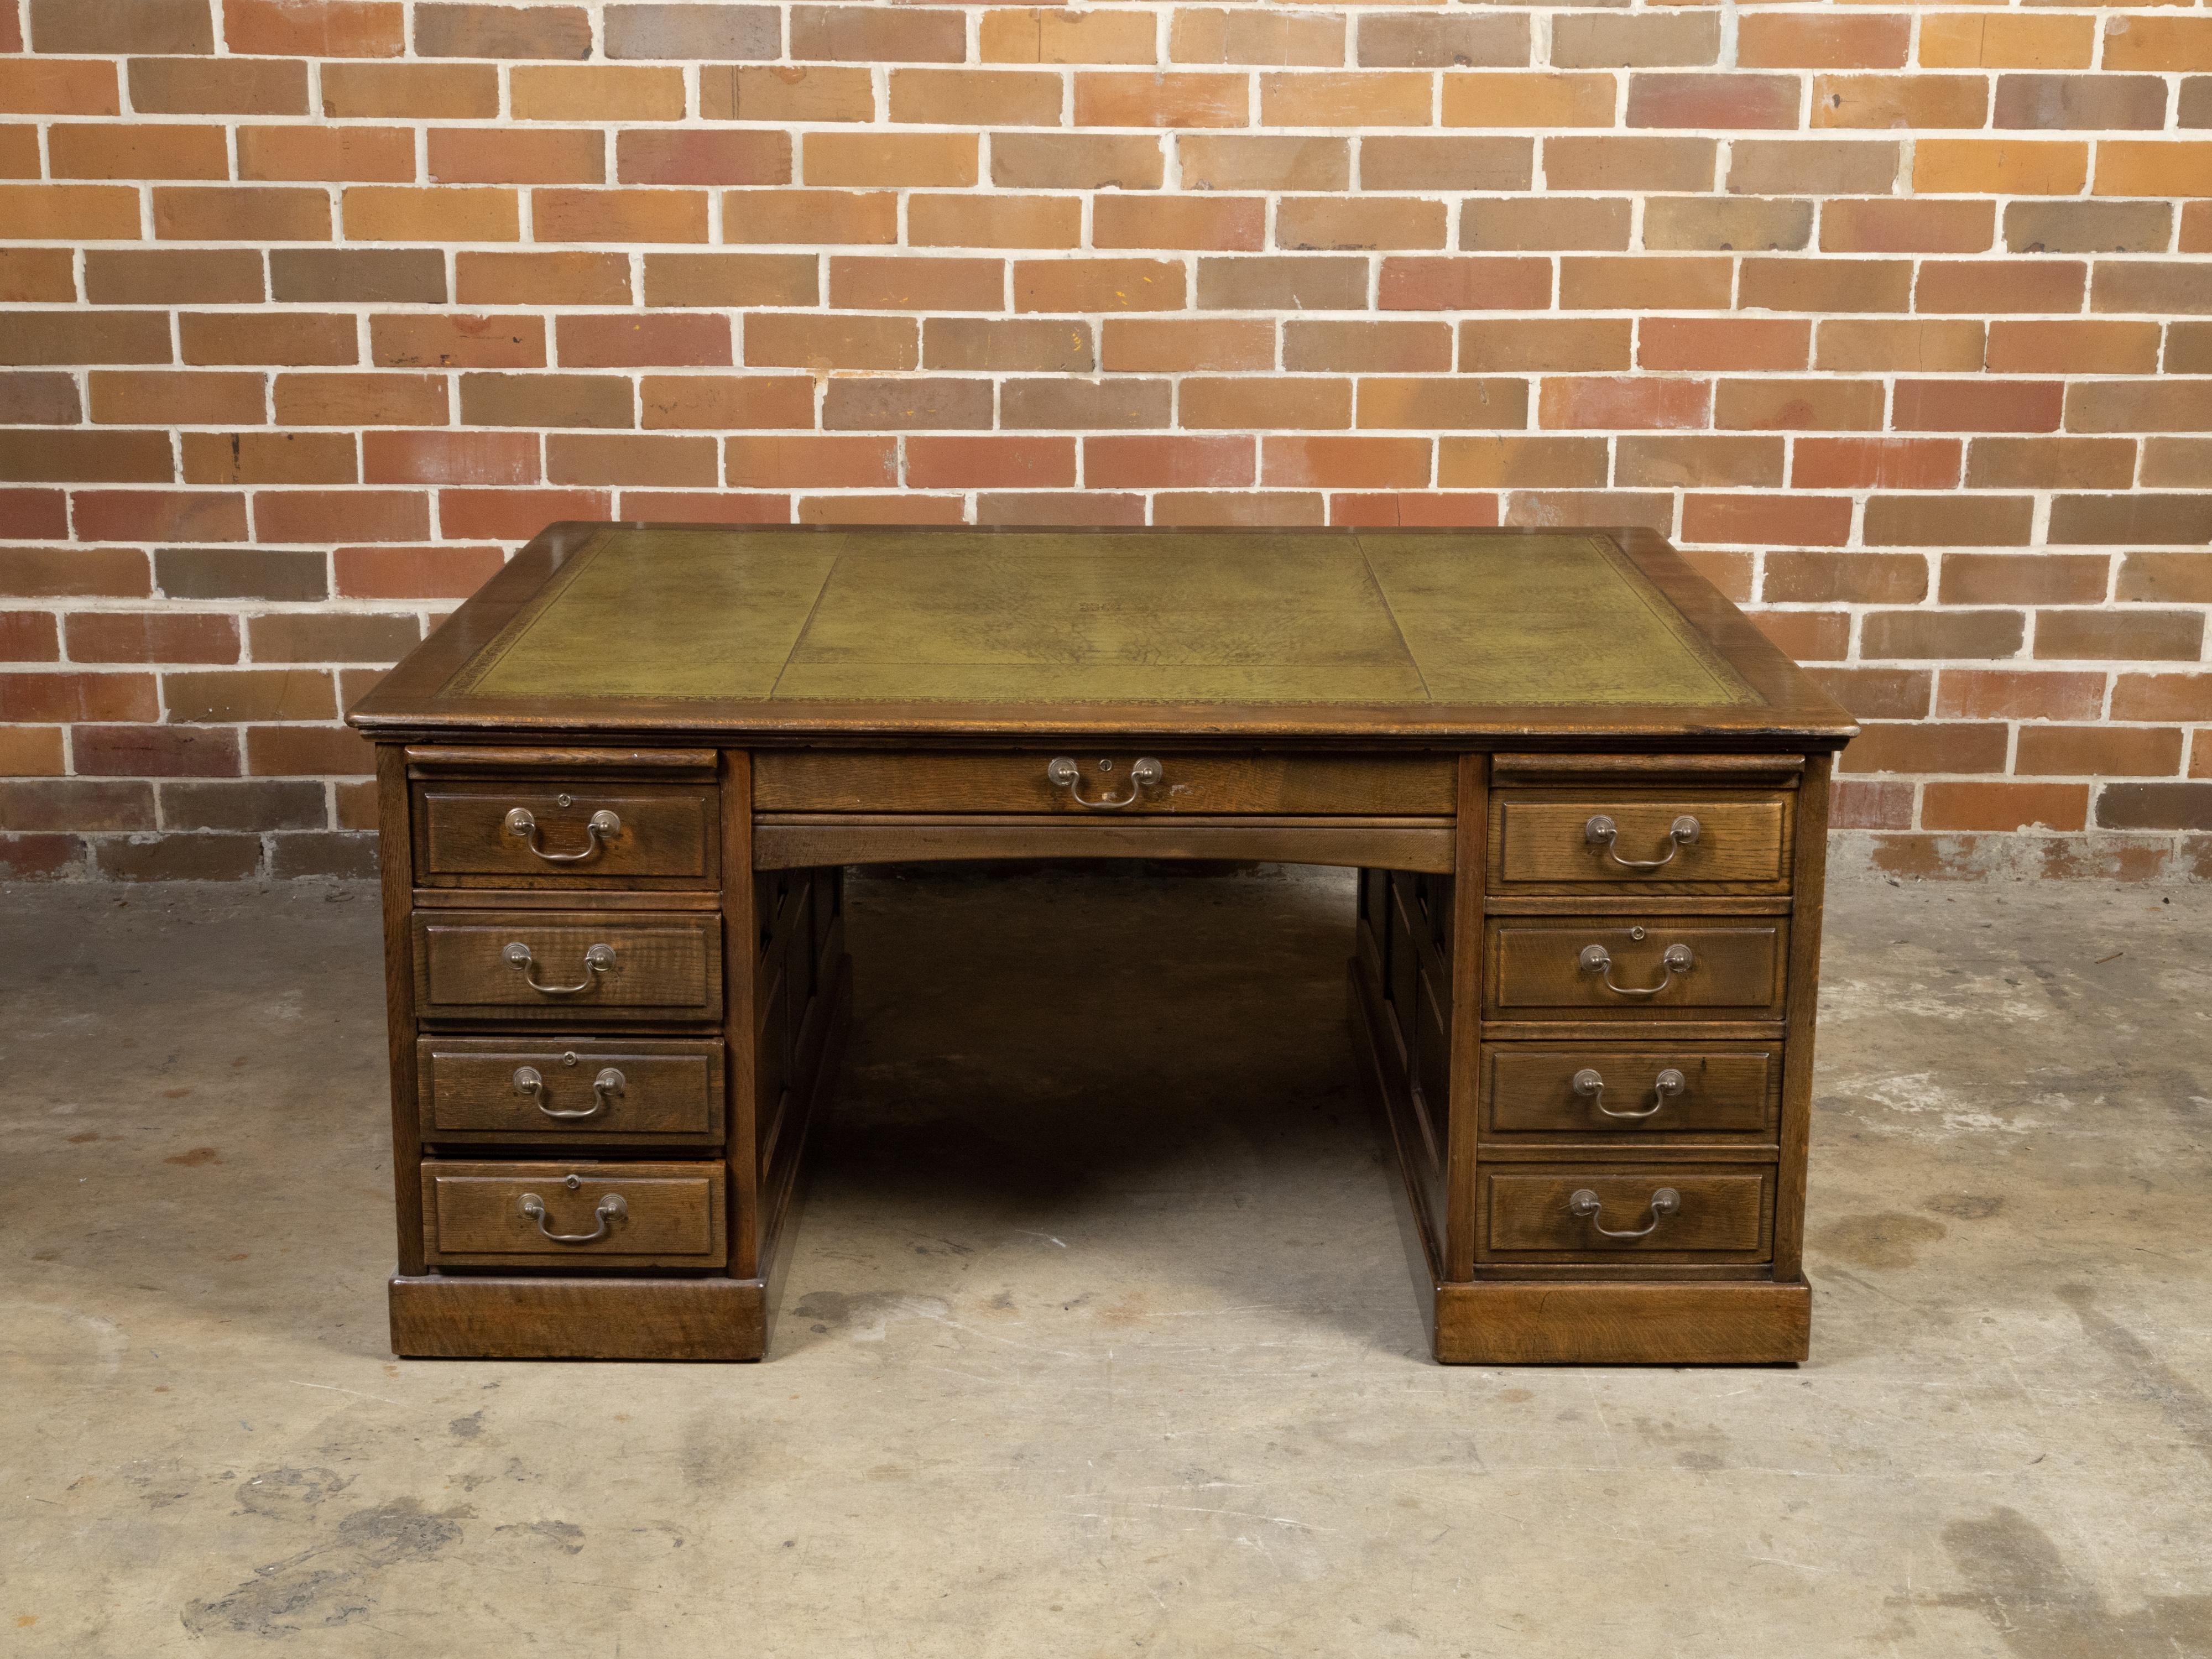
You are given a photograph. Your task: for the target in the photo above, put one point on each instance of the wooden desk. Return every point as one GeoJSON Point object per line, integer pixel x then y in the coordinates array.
{"type": "Point", "coordinates": [619, 787]}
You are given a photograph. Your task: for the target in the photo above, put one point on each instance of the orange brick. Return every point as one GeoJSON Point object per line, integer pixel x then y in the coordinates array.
{"type": "Point", "coordinates": [1090, 285]}
{"type": "Point", "coordinates": [999, 98]}
{"type": "Point", "coordinates": [2053, 464]}
{"type": "Point", "coordinates": [1051, 35]}
{"type": "Point", "coordinates": [1884, 345]}
{"type": "Point", "coordinates": [1672, 459]}
{"type": "Point", "coordinates": [696, 339]}
{"type": "Point", "coordinates": [1898, 225]}
{"type": "Point", "coordinates": [411, 573]}
{"type": "Point", "coordinates": [1783, 405]}
{"type": "Point", "coordinates": [407, 92]}
{"type": "Point", "coordinates": [2139, 41]}
{"type": "Point", "coordinates": [618, 216]}
{"type": "Point", "coordinates": [1413, 507]}
{"type": "Point", "coordinates": [1706, 343]}
{"type": "Point", "coordinates": [1465, 283]}
{"type": "Point", "coordinates": [394, 213]}
{"type": "Point", "coordinates": [32, 274]}
{"type": "Point", "coordinates": [1638, 40]}
{"type": "Point", "coordinates": [1237, 508]}
{"type": "Point", "coordinates": [1637, 163]}
{"type": "Point", "coordinates": [2007, 40]}
{"type": "Point", "coordinates": [1284, 403]}
{"type": "Point", "coordinates": [996, 221]}
{"type": "Point", "coordinates": [509, 156]}
{"type": "Point", "coordinates": [1346, 99]}
{"type": "Point", "coordinates": [1294, 283]}
{"type": "Point", "coordinates": [2161, 405]}
{"type": "Point", "coordinates": [649, 156]}
{"type": "Point", "coordinates": [58, 86]}
{"type": "Point", "coordinates": [1816, 284]}
{"type": "Point", "coordinates": [786, 93]}
{"type": "Point", "coordinates": [1165, 346]}
{"type": "Point", "coordinates": [450, 458]}
{"type": "Point", "coordinates": [170, 276]}
{"type": "Point", "coordinates": [1763, 520]}
{"type": "Point", "coordinates": [516, 515]}
{"type": "Point", "coordinates": [679, 280]}
{"type": "Point", "coordinates": [1333, 222]}
{"type": "Point", "coordinates": [2007, 285]}
{"type": "Point", "coordinates": [808, 217]}
{"type": "Point", "coordinates": [456, 29]}
{"type": "Point", "coordinates": [541, 279]}
{"type": "Point", "coordinates": [1253, 35]}
{"type": "Point", "coordinates": [449, 339]}
{"type": "Point", "coordinates": [175, 398]}
{"type": "Point", "coordinates": [1076, 161]}
{"type": "Point", "coordinates": [2127, 167]}
{"type": "Point", "coordinates": [1480, 99]}
{"type": "Point", "coordinates": [1875, 463]}
{"type": "Point", "coordinates": [1421, 162]}
{"type": "Point", "coordinates": [136, 150]}
{"type": "Point", "coordinates": [871, 35]}
{"type": "Point", "coordinates": [1347, 463]}
{"type": "Point", "coordinates": [595, 92]}
{"type": "Point", "coordinates": [813, 461]}
{"type": "Point", "coordinates": [2002, 166]}
{"type": "Point", "coordinates": [790, 340]}
{"type": "Point", "coordinates": [906, 507]}
{"type": "Point", "coordinates": [1260, 162]}
{"type": "Point", "coordinates": [315, 29]}
{"type": "Point", "coordinates": [1059, 507]}
{"type": "Point", "coordinates": [243, 214]}
{"type": "Point", "coordinates": [1204, 223]}
{"type": "Point", "coordinates": [1916, 102]}
{"type": "Point", "coordinates": [1457, 402]}
{"type": "Point", "coordinates": [2074, 347]}
{"type": "Point", "coordinates": [1391, 348]}
{"type": "Point", "coordinates": [1642, 404]}
{"type": "Point", "coordinates": [316, 153]}
{"type": "Point", "coordinates": [630, 458]}
{"type": "Point", "coordinates": [325, 515]}
{"type": "Point", "coordinates": [262, 458]}
{"type": "Point", "coordinates": [995, 343]}
{"type": "Point", "coordinates": [1978, 405]}
{"type": "Point", "coordinates": [1162, 98]}
{"type": "Point", "coordinates": [218, 86]}
{"type": "Point", "coordinates": [69, 213]}
{"type": "Point", "coordinates": [902, 282]}
{"type": "Point", "coordinates": [1731, 99]}
{"type": "Point", "coordinates": [1809, 41]}
{"type": "Point", "coordinates": [1948, 805]}
{"type": "Point", "coordinates": [890, 159]}
{"type": "Point", "coordinates": [1645, 282]}
{"type": "Point", "coordinates": [1543, 343]}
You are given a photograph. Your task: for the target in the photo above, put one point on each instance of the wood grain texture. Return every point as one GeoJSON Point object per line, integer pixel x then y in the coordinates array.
{"type": "Point", "coordinates": [669, 834]}
{"type": "Point", "coordinates": [1469, 964]}
{"type": "Point", "coordinates": [1499, 1322]}
{"type": "Point", "coordinates": [607, 762]}
{"type": "Point", "coordinates": [483, 1317]}
{"type": "Point", "coordinates": [1536, 965]}
{"type": "Point", "coordinates": [742, 928]}
{"type": "Point", "coordinates": [788, 841]}
{"type": "Point", "coordinates": [1803, 1008]}
{"type": "Point", "coordinates": [1529, 1090]}
{"type": "Point", "coordinates": [1541, 841]}
{"type": "Point", "coordinates": [671, 1091]}
{"type": "Point", "coordinates": [667, 968]}
{"type": "Point", "coordinates": [1290, 784]}
{"type": "Point", "coordinates": [472, 1214]}
{"type": "Point", "coordinates": [395, 842]}
{"type": "Point", "coordinates": [1724, 1215]}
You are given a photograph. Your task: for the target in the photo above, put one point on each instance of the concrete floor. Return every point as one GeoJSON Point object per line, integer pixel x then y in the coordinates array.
{"type": "Point", "coordinates": [1099, 1340]}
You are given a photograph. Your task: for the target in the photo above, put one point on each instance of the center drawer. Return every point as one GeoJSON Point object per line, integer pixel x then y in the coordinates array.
{"type": "Point", "coordinates": [540, 1215]}
{"type": "Point", "coordinates": [505, 1091]}
{"type": "Point", "coordinates": [1082, 780]}
{"type": "Point", "coordinates": [1630, 967]}
{"type": "Point", "coordinates": [570, 965]}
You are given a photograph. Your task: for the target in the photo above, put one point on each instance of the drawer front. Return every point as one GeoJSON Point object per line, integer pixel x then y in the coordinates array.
{"type": "Point", "coordinates": [862, 780]}
{"type": "Point", "coordinates": [493, 1091]}
{"type": "Point", "coordinates": [1547, 1214]}
{"type": "Point", "coordinates": [564, 965]}
{"type": "Point", "coordinates": [1641, 839]}
{"type": "Point", "coordinates": [1597, 1090]}
{"type": "Point", "coordinates": [540, 1215]}
{"type": "Point", "coordinates": [1658, 967]}
{"type": "Point", "coordinates": [557, 830]}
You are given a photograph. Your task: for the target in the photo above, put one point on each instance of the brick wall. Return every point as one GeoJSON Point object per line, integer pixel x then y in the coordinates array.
{"type": "Point", "coordinates": [1898, 317]}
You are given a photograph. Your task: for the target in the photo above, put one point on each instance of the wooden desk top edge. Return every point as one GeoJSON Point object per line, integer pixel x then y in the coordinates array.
{"type": "Point", "coordinates": [406, 705]}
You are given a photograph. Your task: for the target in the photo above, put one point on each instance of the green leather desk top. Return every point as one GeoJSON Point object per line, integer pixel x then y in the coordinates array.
{"type": "Point", "coordinates": [787, 628]}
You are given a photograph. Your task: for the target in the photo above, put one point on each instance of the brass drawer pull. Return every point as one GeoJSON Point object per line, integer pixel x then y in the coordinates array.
{"type": "Point", "coordinates": [599, 829]}
{"type": "Point", "coordinates": [1584, 1202]}
{"type": "Point", "coordinates": [1602, 831]}
{"type": "Point", "coordinates": [1590, 1086]}
{"type": "Point", "coordinates": [611, 1209]}
{"type": "Point", "coordinates": [1597, 959]}
{"type": "Point", "coordinates": [1063, 771]}
{"type": "Point", "coordinates": [529, 1081]}
{"type": "Point", "coordinates": [600, 959]}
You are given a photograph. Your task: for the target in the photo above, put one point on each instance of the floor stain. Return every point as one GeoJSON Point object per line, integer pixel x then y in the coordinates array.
{"type": "Point", "coordinates": [466, 1428]}
{"type": "Point", "coordinates": [2183, 1403]}
{"type": "Point", "coordinates": [331, 1583]}
{"type": "Point", "coordinates": [2016, 1578]}
{"type": "Point", "coordinates": [565, 1536]}
{"type": "Point", "coordinates": [1889, 1240]}
{"type": "Point", "coordinates": [198, 1155]}
{"type": "Point", "coordinates": [1963, 1206]}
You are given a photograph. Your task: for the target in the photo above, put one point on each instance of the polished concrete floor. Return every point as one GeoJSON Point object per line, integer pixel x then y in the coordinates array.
{"type": "Point", "coordinates": [1098, 1340]}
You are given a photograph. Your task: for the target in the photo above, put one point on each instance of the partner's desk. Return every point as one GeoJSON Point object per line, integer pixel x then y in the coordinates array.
{"type": "Point", "coordinates": [1586, 798]}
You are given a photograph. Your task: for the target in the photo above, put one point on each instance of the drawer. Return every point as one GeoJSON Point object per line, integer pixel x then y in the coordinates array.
{"type": "Point", "coordinates": [867, 781]}
{"type": "Point", "coordinates": [567, 965]}
{"type": "Point", "coordinates": [543, 1215]}
{"type": "Point", "coordinates": [496, 1089]}
{"type": "Point", "coordinates": [1597, 1089]}
{"type": "Point", "coordinates": [1655, 839]}
{"type": "Point", "coordinates": [1658, 967]}
{"type": "Point", "coordinates": [548, 831]}
{"type": "Point", "coordinates": [1603, 1211]}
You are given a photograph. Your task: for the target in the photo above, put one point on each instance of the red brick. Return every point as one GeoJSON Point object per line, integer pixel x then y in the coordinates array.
{"type": "Point", "coordinates": [2186, 697]}
{"type": "Point", "coordinates": [701, 507]}
{"type": "Point", "coordinates": [50, 698]}
{"type": "Point", "coordinates": [1815, 520]}
{"type": "Point", "coordinates": [368, 399]}
{"type": "Point", "coordinates": [1159, 462]}
{"type": "Point", "coordinates": [1170, 345]}
{"type": "Point", "coordinates": [105, 636]}
{"type": "Point", "coordinates": [444, 29]}
{"type": "Point", "coordinates": [1882, 746]}
{"type": "Point", "coordinates": [2005, 285]}
{"type": "Point", "coordinates": [630, 458]}
{"type": "Point", "coordinates": [523, 155]}
{"type": "Point", "coordinates": [315, 29]}
{"type": "Point", "coordinates": [811, 461]}
{"type": "Point", "coordinates": [142, 396]}
{"type": "Point", "coordinates": [1740, 342]}
{"type": "Point", "coordinates": [449, 458]}
{"type": "Point", "coordinates": [457, 340]}
{"type": "Point", "coordinates": [516, 515]}
{"type": "Point", "coordinates": [29, 636]}
{"type": "Point", "coordinates": [79, 457]}
{"type": "Point", "coordinates": [990, 463]}
{"type": "Point", "coordinates": [1413, 507]}
{"type": "Point", "coordinates": [156, 515]}
{"type": "Point", "coordinates": [26, 514]}
{"type": "Point", "coordinates": [326, 515]}
{"type": "Point", "coordinates": [795, 340]}
{"type": "Point", "coordinates": [618, 216]}
{"type": "Point", "coordinates": [1551, 509]}
{"type": "Point", "coordinates": [1060, 508]}
{"type": "Point", "coordinates": [2098, 751]}
{"type": "Point", "coordinates": [644, 155]}
{"type": "Point", "coordinates": [1347, 463]}
{"type": "Point", "coordinates": [1978, 405]}
{"type": "Point", "coordinates": [2011, 694]}
{"type": "Point", "coordinates": [1458, 403]}
{"type": "Point", "coordinates": [1819, 40]}
{"type": "Point", "coordinates": [1875, 463]}
{"type": "Point", "coordinates": [1860, 804]}
{"type": "Point", "coordinates": [269, 458]}
{"type": "Point", "coordinates": [442, 572]}
{"type": "Point", "coordinates": [1391, 348]}
{"type": "Point", "coordinates": [1670, 460]}
{"type": "Point", "coordinates": [1907, 225]}
{"type": "Point", "coordinates": [2004, 807]}
{"type": "Point", "coordinates": [40, 572]}
{"type": "Point", "coordinates": [907, 507]}
{"type": "Point", "coordinates": [1955, 520]}
{"type": "Point", "coordinates": [696, 339]}
{"type": "Point", "coordinates": [722, 403]}
{"type": "Point", "coordinates": [1237, 508]}
{"type": "Point", "coordinates": [1732, 100]}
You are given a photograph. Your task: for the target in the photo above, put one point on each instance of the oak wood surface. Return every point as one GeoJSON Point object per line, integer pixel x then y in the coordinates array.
{"type": "Point", "coordinates": [472, 1214]}
{"type": "Point", "coordinates": [668, 834]}
{"type": "Point", "coordinates": [1536, 965]}
{"type": "Point", "coordinates": [1499, 1322]}
{"type": "Point", "coordinates": [478, 1316]}
{"type": "Point", "coordinates": [1811, 876]}
{"type": "Point", "coordinates": [666, 967]}
{"type": "Point", "coordinates": [394, 844]}
{"type": "Point", "coordinates": [788, 840]}
{"type": "Point", "coordinates": [1529, 1090]}
{"type": "Point", "coordinates": [671, 1091]}
{"type": "Point", "coordinates": [1540, 840]}
{"type": "Point", "coordinates": [1723, 1213]}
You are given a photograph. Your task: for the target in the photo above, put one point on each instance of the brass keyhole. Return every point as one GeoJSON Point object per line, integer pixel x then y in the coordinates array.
{"type": "Point", "coordinates": [1636, 933]}
{"type": "Point", "coordinates": [1105, 766]}
{"type": "Point", "coordinates": [567, 1059]}
{"type": "Point", "coordinates": [564, 800]}
{"type": "Point", "coordinates": [573, 1182]}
